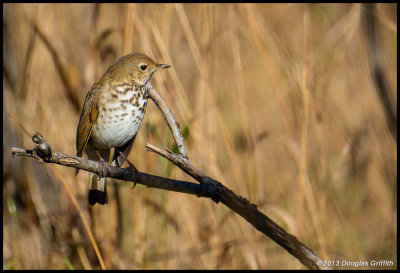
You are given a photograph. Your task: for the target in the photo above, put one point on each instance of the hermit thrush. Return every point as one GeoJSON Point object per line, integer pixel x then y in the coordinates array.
{"type": "Point", "coordinates": [111, 115]}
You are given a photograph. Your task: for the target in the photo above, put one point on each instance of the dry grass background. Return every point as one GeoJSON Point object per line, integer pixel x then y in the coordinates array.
{"type": "Point", "coordinates": [278, 104]}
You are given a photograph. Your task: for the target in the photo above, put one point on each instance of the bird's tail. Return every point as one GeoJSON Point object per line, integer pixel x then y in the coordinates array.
{"type": "Point", "coordinates": [97, 190]}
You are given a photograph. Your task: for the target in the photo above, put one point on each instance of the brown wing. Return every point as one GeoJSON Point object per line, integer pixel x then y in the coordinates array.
{"type": "Point", "coordinates": [90, 112]}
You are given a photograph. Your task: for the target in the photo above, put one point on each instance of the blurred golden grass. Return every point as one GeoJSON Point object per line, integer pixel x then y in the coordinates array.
{"type": "Point", "coordinates": [279, 105]}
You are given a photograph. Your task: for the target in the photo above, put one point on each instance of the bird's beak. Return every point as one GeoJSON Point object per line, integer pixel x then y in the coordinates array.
{"type": "Point", "coordinates": [162, 66]}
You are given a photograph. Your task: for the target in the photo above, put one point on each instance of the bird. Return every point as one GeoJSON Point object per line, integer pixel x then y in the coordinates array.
{"type": "Point", "coordinates": [111, 115]}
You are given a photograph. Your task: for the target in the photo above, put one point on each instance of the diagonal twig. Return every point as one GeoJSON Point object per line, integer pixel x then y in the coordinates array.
{"type": "Point", "coordinates": [237, 203]}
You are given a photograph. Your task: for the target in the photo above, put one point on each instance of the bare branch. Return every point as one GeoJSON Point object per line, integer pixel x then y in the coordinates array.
{"type": "Point", "coordinates": [216, 191]}
{"type": "Point", "coordinates": [42, 150]}
{"type": "Point", "coordinates": [208, 187]}
{"type": "Point", "coordinates": [238, 204]}
{"type": "Point", "coordinates": [169, 118]}
{"type": "Point", "coordinates": [183, 163]}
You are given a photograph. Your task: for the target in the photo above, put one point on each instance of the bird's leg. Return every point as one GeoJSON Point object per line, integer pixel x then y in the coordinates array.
{"type": "Point", "coordinates": [102, 165]}
{"type": "Point", "coordinates": [131, 166]}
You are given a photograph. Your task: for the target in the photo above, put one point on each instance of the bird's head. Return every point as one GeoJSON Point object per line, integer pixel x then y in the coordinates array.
{"type": "Point", "coordinates": [139, 67]}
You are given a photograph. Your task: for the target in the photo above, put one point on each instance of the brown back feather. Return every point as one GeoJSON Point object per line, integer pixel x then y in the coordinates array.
{"type": "Point", "coordinates": [87, 119]}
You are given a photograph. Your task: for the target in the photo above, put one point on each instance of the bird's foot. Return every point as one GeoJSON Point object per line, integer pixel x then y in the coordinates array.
{"type": "Point", "coordinates": [102, 168]}
{"type": "Point", "coordinates": [102, 165]}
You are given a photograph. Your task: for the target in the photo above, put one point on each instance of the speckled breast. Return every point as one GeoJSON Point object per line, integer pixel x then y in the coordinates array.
{"type": "Point", "coordinates": [120, 116]}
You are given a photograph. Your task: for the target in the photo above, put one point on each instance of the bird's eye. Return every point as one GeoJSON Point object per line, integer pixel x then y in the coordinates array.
{"type": "Point", "coordinates": [143, 67]}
